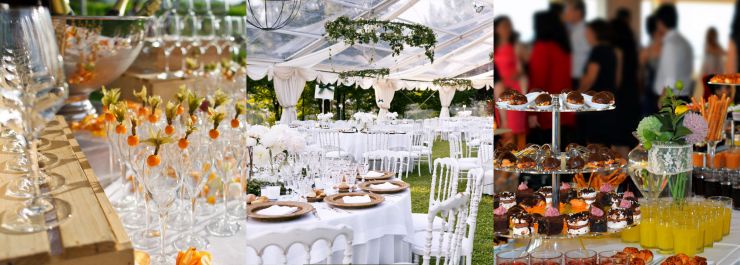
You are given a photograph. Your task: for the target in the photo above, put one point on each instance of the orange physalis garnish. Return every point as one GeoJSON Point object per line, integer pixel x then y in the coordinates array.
{"type": "Point", "coordinates": [183, 143]}
{"type": "Point", "coordinates": [109, 117]}
{"type": "Point", "coordinates": [217, 117]}
{"type": "Point", "coordinates": [239, 110]}
{"type": "Point", "coordinates": [234, 123]}
{"type": "Point", "coordinates": [157, 141]}
{"type": "Point", "coordinates": [120, 129]}
{"type": "Point", "coordinates": [153, 160]}
{"type": "Point", "coordinates": [213, 133]}
{"type": "Point", "coordinates": [169, 129]}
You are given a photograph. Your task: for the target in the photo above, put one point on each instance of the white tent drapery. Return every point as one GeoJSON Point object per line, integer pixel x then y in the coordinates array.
{"type": "Point", "coordinates": [446, 94]}
{"type": "Point", "coordinates": [289, 83]}
{"type": "Point", "coordinates": [384, 91]}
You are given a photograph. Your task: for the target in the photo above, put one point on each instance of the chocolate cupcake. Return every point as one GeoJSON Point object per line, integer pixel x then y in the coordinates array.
{"type": "Point", "coordinates": [507, 199]}
{"type": "Point", "coordinates": [617, 219]}
{"type": "Point", "coordinates": [523, 192]}
{"type": "Point", "coordinates": [588, 195]}
{"type": "Point", "coordinates": [515, 209]}
{"type": "Point", "coordinates": [500, 221]}
{"type": "Point", "coordinates": [547, 191]}
{"type": "Point", "coordinates": [598, 219]}
{"type": "Point", "coordinates": [574, 98]}
{"type": "Point", "coordinates": [578, 223]}
{"type": "Point", "coordinates": [603, 97]}
{"type": "Point", "coordinates": [521, 224]}
{"type": "Point", "coordinates": [543, 100]}
{"type": "Point", "coordinates": [552, 223]}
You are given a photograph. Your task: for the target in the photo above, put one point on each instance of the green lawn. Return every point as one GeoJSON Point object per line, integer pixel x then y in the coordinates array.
{"type": "Point", "coordinates": [483, 243]}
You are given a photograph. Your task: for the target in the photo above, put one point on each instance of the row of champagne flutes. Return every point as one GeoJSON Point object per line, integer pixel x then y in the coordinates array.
{"type": "Point", "coordinates": [32, 90]}
{"type": "Point", "coordinates": [173, 154]}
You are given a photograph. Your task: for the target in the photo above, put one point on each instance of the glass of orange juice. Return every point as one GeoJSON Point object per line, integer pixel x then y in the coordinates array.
{"type": "Point", "coordinates": [685, 231]}
{"type": "Point", "coordinates": [733, 159]}
{"type": "Point", "coordinates": [725, 211]}
{"type": "Point", "coordinates": [664, 228]}
{"type": "Point", "coordinates": [648, 224]}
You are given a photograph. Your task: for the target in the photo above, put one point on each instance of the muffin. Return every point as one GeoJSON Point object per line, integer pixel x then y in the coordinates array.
{"type": "Point", "coordinates": [574, 98]}
{"type": "Point", "coordinates": [506, 199]}
{"type": "Point", "coordinates": [617, 219]}
{"type": "Point", "coordinates": [500, 221]}
{"type": "Point", "coordinates": [578, 223]}
{"type": "Point", "coordinates": [523, 192]}
{"type": "Point", "coordinates": [521, 224]}
{"type": "Point", "coordinates": [518, 99]}
{"type": "Point", "coordinates": [598, 219]}
{"type": "Point", "coordinates": [543, 100]}
{"type": "Point", "coordinates": [588, 195]}
{"type": "Point", "coordinates": [551, 223]}
{"type": "Point", "coordinates": [603, 97]}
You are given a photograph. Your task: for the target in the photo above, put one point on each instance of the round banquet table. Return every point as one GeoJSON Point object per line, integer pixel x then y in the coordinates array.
{"type": "Point", "coordinates": [724, 252]}
{"type": "Point", "coordinates": [356, 143]}
{"type": "Point", "coordinates": [381, 233]}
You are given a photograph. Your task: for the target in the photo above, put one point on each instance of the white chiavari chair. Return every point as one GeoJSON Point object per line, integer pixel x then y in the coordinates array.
{"type": "Point", "coordinates": [403, 149]}
{"type": "Point", "coordinates": [330, 143]}
{"type": "Point", "coordinates": [444, 184]}
{"type": "Point", "coordinates": [305, 237]}
{"type": "Point", "coordinates": [475, 189]}
{"type": "Point", "coordinates": [444, 244]}
{"type": "Point", "coordinates": [464, 163]}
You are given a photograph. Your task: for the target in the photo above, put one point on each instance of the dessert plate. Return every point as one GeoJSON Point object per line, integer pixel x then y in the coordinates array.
{"type": "Point", "coordinates": [368, 186]}
{"type": "Point", "coordinates": [303, 208]}
{"type": "Point", "coordinates": [337, 201]}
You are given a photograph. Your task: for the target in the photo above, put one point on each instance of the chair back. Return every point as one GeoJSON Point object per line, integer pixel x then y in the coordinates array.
{"type": "Point", "coordinates": [329, 140]}
{"type": "Point", "coordinates": [455, 145]}
{"type": "Point", "coordinates": [376, 141]}
{"type": "Point", "coordinates": [485, 154]}
{"type": "Point", "coordinates": [475, 189]}
{"type": "Point", "coordinates": [454, 211]}
{"type": "Point", "coordinates": [305, 237]}
{"type": "Point", "coordinates": [444, 180]}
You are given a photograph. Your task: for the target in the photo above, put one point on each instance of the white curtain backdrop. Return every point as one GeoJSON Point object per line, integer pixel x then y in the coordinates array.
{"type": "Point", "coordinates": [384, 91]}
{"type": "Point", "coordinates": [289, 83]}
{"type": "Point", "coordinates": [445, 97]}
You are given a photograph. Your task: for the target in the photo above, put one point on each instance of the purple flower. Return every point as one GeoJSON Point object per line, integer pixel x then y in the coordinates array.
{"type": "Point", "coordinates": [698, 127]}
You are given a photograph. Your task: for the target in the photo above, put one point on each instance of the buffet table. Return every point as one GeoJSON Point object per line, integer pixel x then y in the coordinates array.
{"type": "Point", "coordinates": [725, 252]}
{"type": "Point", "coordinates": [380, 233]}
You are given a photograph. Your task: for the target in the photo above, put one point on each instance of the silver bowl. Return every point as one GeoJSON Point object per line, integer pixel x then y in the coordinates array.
{"type": "Point", "coordinates": [96, 51]}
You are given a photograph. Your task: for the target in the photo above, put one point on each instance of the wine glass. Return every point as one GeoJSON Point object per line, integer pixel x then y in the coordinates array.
{"type": "Point", "coordinates": [170, 27]}
{"type": "Point", "coordinates": [189, 32]}
{"type": "Point", "coordinates": [224, 161]}
{"type": "Point", "coordinates": [161, 183]}
{"type": "Point", "coordinates": [145, 239]}
{"type": "Point", "coordinates": [194, 178]}
{"type": "Point", "coordinates": [36, 93]}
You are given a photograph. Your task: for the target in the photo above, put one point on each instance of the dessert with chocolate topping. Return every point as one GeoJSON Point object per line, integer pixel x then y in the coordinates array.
{"type": "Point", "coordinates": [574, 98]}
{"type": "Point", "coordinates": [526, 162]}
{"type": "Point", "coordinates": [603, 197]}
{"type": "Point", "coordinates": [523, 192]}
{"type": "Point", "coordinates": [551, 163]}
{"type": "Point", "coordinates": [507, 199]}
{"type": "Point", "coordinates": [507, 95]}
{"type": "Point", "coordinates": [547, 191]}
{"type": "Point", "coordinates": [500, 221]}
{"type": "Point", "coordinates": [521, 224]}
{"type": "Point", "coordinates": [575, 162]}
{"type": "Point", "coordinates": [603, 97]}
{"type": "Point", "coordinates": [578, 223]}
{"type": "Point", "coordinates": [515, 209]}
{"type": "Point", "coordinates": [506, 159]}
{"type": "Point", "coordinates": [588, 195]}
{"type": "Point", "coordinates": [552, 223]}
{"type": "Point", "coordinates": [635, 207]}
{"type": "Point", "coordinates": [617, 219]}
{"type": "Point", "coordinates": [543, 100]}
{"type": "Point", "coordinates": [518, 99]}
{"type": "Point", "coordinates": [598, 219]}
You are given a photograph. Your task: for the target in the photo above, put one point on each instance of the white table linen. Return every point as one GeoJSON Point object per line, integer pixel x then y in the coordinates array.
{"type": "Point", "coordinates": [381, 234]}
{"type": "Point", "coordinates": [356, 143]}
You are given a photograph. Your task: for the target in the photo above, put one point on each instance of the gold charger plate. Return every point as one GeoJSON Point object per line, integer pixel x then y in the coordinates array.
{"type": "Point", "coordinates": [336, 200]}
{"type": "Point", "coordinates": [401, 186]}
{"type": "Point", "coordinates": [386, 175]}
{"type": "Point", "coordinates": [303, 208]}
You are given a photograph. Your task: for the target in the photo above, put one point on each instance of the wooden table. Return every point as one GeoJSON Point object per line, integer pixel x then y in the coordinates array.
{"type": "Point", "coordinates": [92, 235]}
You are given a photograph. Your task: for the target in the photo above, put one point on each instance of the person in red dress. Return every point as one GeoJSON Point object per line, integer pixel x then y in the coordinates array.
{"type": "Point", "coordinates": [508, 69]}
{"type": "Point", "coordinates": [550, 71]}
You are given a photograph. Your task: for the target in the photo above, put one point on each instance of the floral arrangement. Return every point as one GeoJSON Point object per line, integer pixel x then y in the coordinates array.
{"type": "Point", "coordinates": [364, 119]}
{"type": "Point", "coordinates": [391, 115]}
{"type": "Point", "coordinates": [267, 143]}
{"type": "Point", "coordinates": [325, 116]}
{"type": "Point", "coordinates": [375, 73]}
{"type": "Point", "coordinates": [464, 113]}
{"type": "Point", "coordinates": [452, 82]}
{"type": "Point", "coordinates": [674, 123]}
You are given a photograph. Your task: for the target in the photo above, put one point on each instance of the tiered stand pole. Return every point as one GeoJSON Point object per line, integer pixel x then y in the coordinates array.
{"type": "Point", "coordinates": [555, 147]}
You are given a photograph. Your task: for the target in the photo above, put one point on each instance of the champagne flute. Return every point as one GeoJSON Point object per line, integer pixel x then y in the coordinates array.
{"type": "Point", "coordinates": [37, 92]}
{"type": "Point", "coordinates": [161, 182]}
{"type": "Point", "coordinates": [194, 178]}
{"type": "Point", "coordinates": [225, 162]}
{"type": "Point", "coordinates": [170, 26]}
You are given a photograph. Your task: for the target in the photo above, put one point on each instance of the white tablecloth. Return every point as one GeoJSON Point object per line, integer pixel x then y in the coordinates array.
{"type": "Point", "coordinates": [725, 252]}
{"type": "Point", "coordinates": [356, 143]}
{"type": "Point", "coordinates": [381, 233]}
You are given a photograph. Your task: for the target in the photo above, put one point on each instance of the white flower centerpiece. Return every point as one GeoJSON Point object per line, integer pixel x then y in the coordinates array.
{"type": "Point", "coordinates": [270, 146]}
{"type": "Point", "coordinates": [324, 119]}
{"type": "Point", "coordinates": [364, 120]}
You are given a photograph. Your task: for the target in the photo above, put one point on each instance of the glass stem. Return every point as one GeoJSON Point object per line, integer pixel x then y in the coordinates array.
{"type": "Point", "coordinates": [166, 61]}
{"type": "Point", "coordinates": [34, 155]}
{"type": "Point", "coordinates": [711, 150]}
{"type": "Point", "coordinates": [193, 202]}
{"type": "Point", "coordinates": [226, 202]}
{"type": "Point", "coordinates": [162, 229]}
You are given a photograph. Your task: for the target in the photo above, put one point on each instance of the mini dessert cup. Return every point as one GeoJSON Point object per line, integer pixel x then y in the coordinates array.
{"type": "Point", "coordinates": [546, 257]}
{"type": "Point", "coordinates": [580, 257]}
{"type": "Point", "coordinates": [512, 257]}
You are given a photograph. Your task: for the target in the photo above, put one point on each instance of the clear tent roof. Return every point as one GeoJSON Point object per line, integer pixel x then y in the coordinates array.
{"type": "Point", "coordinates": [464, 38]}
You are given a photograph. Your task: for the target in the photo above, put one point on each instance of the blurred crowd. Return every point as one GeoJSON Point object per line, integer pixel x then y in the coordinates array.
{"type": "Point", "coordinates": [571, 54]}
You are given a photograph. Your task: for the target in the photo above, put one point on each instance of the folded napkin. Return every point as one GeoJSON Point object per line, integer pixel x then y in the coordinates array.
{"type": "Point", "coordinates": [276, 210]}
{"type": "Point", "coordinates": [374, 174]}
{"type": "Point", "coordinates": [385, 186]}
{"type": "Point", "coordinates": [356, 199]}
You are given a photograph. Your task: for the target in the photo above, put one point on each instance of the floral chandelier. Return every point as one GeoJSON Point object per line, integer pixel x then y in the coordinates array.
{"type": "Point", "coordinates": [271, 15]}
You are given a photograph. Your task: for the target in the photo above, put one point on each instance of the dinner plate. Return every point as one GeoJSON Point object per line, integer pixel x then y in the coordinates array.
{"type": "Point", "coordinates": [336, 200]}
{"type": "Point", "coordinates": [400, 186]}
{"type": "Point", "coordinates": [303, 208]}
{"type": "Point", "coordinates": [386, 175]}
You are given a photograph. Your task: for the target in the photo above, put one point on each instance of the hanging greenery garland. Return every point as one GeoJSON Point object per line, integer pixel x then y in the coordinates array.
{"type": "Point", "coordinates": [376, 73]}
{"type": "Point", "coordinates": [366, 31]}
{"type": "Point", "coordinates": [452, 82]}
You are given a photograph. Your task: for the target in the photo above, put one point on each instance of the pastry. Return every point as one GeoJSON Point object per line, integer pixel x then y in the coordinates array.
{"type": "Point", "coordinates": [575, 162]}
{"type": "Point", "coordinates": [604, 197]}
{"type": "Point", "coordinates": [588, 195]}
{"type": "Point", "coordinates": [551, 223]}
{"type": "Point", "coordinates": [595, 160]}
{"type": "Point", "coordinates": [603, 97]}
{"type": "Point", "coordinates": [574, 98]}
{"type": "Point", "coordinates": [547, 191]}
{"type": "Point", "coordinates": [507, 199]}
{"type": "Point", "coordinates": [537, 198]}
{"type": "Point", "coordinates": [500, 221]}
{"type": "Point", "coordinates": [543, 100]}
{"type": "Point", "coordinates": [526, 163]}
{"type": "Point", "coordinates": [518, 99]}
{"type": "Point", "coordinates": [616, 219]}
{"type": "Point", "coordinates": [568, 195]}
{"type": "Point", "coordinates": [578, 223]}
{"type": "Point", "coordinates": [521, 224]}
{"type": "Point", "coordinates": [551, 163]}
{"type": "Point", "coordinates": [598, 219]}
{"type": "Point", "coordinates": [506, 159]}
{"type": "Point", "coordinates": [571, 146]}
{"type": "Point", "coordinates": [507, 95]}
{"type": "Point", "coordinates": [564, 191]}
{"type": "Point", "coordinates": [523, 192]}
{"type": "Point", "coordinates": [726, 78]}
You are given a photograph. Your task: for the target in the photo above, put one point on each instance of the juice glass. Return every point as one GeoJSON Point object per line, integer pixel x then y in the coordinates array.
{"type": "Point", "coordinates": [631, 235]}
{"type": "Point", "coordinates": [685, 233]}
{"type": "Point", "coordinates": [725, 208]}
{"type": "Point", "coordinates": [733, 159]}
{"type": "Point", "coordinates": [695, 216]}
{"type": "Point", "coordinates": [717, 219]}
{"type": "Point", "coordinates": [611, 258]}
{"type": "Point", "coordinates": [546, 257]}
{"type": "Point", "coordinates": [664, 228]}
{"type": "Point", "coordinates": [512, 257]}
{"type": "Point", "coordinates": [648, 226]}
{"type": "Point", "coordinates": [580, 257]}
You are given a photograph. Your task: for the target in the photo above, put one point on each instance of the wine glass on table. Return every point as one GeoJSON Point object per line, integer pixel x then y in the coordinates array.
{"type": "Point", "coordinates": [170, 26]}
{"type": "Point", "coordinates": [161, 182]}
{"type": "Point", "coordinates": [224, 161]}
{"type": "Point", "coordinates": [37, 92]}
{"type": "Point", "coordinates": [194, 178]}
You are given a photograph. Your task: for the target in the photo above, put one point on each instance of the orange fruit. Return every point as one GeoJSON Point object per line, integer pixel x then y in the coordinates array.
{"type": "Point", "coordinates": [234, 123]}
{"type": "Point", "coordinates": [206, 189]}
{"type": "Point", "coordinates": [180, 109]}
{"type": "Point", "coordinates": [183, 143]}
{"type": "Point", "coordinates": [132, 140]}
{"type": "Point", "coordinates": [211, 200]}
{"type": "Point", "coordinates": [120, 129]}
{"type": "Point", "coordinates": [153, 118]}
{"type": "Point", "coordinates": [213, 133]}
{"type": "Point", "coordinates": [143, 111]}
{"type": "Point", "coordinates": [109, 117]}
{"type": "Point", "coordinates": [169, 129]}
{"type": "Point", "coordinates": [153, 160]}
{"type": "Point", "coordinates": [193, 118]}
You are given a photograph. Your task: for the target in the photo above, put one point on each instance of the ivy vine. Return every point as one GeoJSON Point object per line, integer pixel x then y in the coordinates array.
{"type": "Point", "coordinates": [376, 73]}
{"type": "Point", "coordinates": [452, 82]}
{"type": "Point", "coordinates": [397, 34]}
